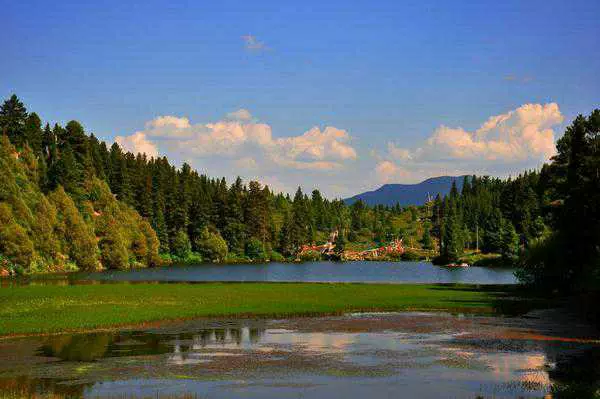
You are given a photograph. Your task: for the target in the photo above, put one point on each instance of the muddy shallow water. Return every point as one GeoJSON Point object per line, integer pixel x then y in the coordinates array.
{"type": "Point", "coordinates": [354, 356]}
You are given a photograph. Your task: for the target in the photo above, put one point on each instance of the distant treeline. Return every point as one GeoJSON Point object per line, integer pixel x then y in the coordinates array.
{"type": "Point", "coordinates": [191, 216]}
{"type": "Point", "coordinates": [195, 217]}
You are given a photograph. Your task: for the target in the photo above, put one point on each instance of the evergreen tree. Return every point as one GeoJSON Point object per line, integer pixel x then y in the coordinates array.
{"type": "Point", "coordinates": [32, 133]}
{"type": "Point", "coordinates": [13, 115]}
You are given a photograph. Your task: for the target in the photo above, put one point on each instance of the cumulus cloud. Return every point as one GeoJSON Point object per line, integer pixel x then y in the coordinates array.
{"type": "Point", "coordinates": [523, 137]}
{"type": "Point", "coordinates": [318, 145]}
{"type": "Point", "coordinates": [240, 137]}
{"type": "Point", "coordinates": [240, 115]}
{"type": "Point", "coordinates": [137, 143]}
{"type": "Point", "coordinates": [246, 163]}
{"type": "Point", "coordinates": [388, 171]}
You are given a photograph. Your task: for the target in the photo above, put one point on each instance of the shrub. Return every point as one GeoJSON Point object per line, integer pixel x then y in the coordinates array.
{"type": "Point", "coordinates": [14, 241]}
{"type": "Point", "coordinates": [276, 257]}
{"type": "Point", "coordinates": [310, 256]}
{"type": "Point", "coordinates": [78, 238]}
{"type": "Point", "coordinates": [113, 250]}
{"type": "Point", "coordinates": [181, 246]}
{"type": "Point", "coordinates": [255, 249]}
{"type": "Point", "coordinates": [211, 246]}
{"type": "Point", "coordinates": [410, 256]}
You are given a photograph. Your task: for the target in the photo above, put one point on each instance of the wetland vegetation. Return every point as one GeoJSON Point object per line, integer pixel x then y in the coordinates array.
{"type": "Point", "coordinates": [49, 309]}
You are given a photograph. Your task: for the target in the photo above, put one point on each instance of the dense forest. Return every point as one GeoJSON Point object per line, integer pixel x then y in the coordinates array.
{"type": "Point", "coordinates": [194, 217]}
{"type": "Point", "coordinates": [69, 200]}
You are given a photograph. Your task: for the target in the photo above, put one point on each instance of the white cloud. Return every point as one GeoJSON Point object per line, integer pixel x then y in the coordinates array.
{"type": "Point", "coordinates": [168, 121]}
{"type": "Point", "coordinates": [240, 115]}
{"type": "Point", "coordinates": [523, 137]}
{"type": "Point", "coordinates": [246, 163]}
{"type": "Point", "coordinates": [318, 145]}
{"type": "Point", "coordinates": [388, 171]}
{"type": "Point", "coordinates": [398, 153]}
{"type": "Point", "coordinates": [137, 143]}
{"type": "Point", "coordinates": [240, 137]}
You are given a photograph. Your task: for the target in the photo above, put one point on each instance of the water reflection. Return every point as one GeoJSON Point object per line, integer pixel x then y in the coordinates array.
{"type": "Point", "coordinates": [93, 346]}
{"type": "Point", "coordinates": [409, 272]}
{"type": "Point", "coordinates": [350, 356]}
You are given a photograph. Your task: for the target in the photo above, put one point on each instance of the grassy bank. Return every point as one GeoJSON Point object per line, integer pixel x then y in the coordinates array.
{"type": "Point", "coordinates": [47, 309]}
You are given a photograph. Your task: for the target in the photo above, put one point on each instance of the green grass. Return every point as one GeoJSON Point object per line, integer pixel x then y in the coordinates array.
{"type": "Point", "coordinates": [48, 309]}
{"type": "Point", "coordinates": [480, 259]}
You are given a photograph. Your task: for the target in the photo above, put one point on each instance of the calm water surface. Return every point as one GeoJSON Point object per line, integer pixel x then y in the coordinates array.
{"type": "Point", "coordinates": [354, 356]}
{"type": "Point", "coordinates": [383, 272]}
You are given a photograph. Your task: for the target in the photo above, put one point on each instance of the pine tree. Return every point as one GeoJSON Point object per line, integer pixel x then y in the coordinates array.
{"type": "Point", "coordinates": [13, 115]}
{"type": "Point", "coordinates": [32, 133]}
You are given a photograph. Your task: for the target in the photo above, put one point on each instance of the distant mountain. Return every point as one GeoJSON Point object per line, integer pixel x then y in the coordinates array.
{"type": "Point", "coordinates": [408, 194]}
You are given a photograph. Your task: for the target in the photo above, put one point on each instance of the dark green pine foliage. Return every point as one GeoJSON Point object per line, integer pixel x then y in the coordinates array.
{"type": "Point", "coordinates": [13, 116]}
{"type": "Point", "coordinates": [567, 259]}
{"type": "Point", "coordinates": [32, 133]}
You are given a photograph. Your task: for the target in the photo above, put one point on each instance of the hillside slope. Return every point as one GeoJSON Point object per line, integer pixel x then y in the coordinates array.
{"type": "Point", "coordinates": [51, 232]}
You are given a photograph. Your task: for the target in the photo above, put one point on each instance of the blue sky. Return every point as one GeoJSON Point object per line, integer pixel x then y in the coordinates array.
{"type": "Point", "coordinates": [404, 87]}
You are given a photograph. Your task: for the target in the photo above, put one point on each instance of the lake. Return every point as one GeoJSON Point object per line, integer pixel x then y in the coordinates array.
{"type": "Point", "coordinates": [425, 355]}
{"type": "Point", "coordinates": [364, 272]}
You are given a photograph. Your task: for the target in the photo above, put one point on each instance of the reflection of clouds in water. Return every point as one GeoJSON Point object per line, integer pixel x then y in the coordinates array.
{"type": "Point", "coordinates": [503, 367]}
{"type": "Point", "coordinates": [529, 368]}
{"type": "Point", "coordinates": [322, 342]}
{"type": "Point", "coordinates": [330, 342]}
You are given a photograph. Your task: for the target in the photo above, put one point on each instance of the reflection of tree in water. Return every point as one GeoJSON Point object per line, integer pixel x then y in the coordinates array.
{"type": "Point", "coordinates": [183, 353]}
{"type": "Point", "coordinates": [236, 335]}
{"type": "Point", "coordinates": [26, 387]}
{"type": "Point", "coordinates": [577, 372]}
{"type": "Point", "coordinates": [79, 347]}
{"type": "Point", "coordinates": [256, 334]}
{"type": "Point", "coordinates": [94, 346]}
{"type": "Point", "coordinates": [227, 336]}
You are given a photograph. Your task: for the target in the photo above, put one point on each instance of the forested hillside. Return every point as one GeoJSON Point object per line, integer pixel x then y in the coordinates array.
{"type": "Point", "coordinates": [195, 217]}
{"type": "Point", "coordinates": [50, 232]}
{"type": "Point", "coordinates": [68, 200]}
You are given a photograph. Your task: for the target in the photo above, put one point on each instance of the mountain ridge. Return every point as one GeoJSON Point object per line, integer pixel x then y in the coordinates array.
{"type": "Point", "coordinates": [408, 194]}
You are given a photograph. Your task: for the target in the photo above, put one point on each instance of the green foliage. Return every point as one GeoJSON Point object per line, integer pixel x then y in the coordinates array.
{"type": "Point", "coordinates": [64, 231]}
{"type": "Point", "coordinates": [181, 246]}
{"type": "Point", "coordinates": [567, 259]}
{"type": "Point", "coordinates": [410, 256]}
{"type": "Point", "coordinates": [310, 256]}
{"type": "Point", "coordinates": [57, 186]}
{"type": "Point", "coordinates": [426, 240]}
{"type": "Point", "coordinates": [340, 242]}
{"type": "Point", "coordinates": [510, 243]}
{"type": "Point", "coordinates": [211, 246]}
{"type": "Point", "coordinates": [13, 116]}
{"type": "Point", "coordinates": [58, 309]}
{"type": "Point", "coordinates": [255, 249]}
{"type": "Point", "coordinates": [275, 256]}
{"type": "Point", "coordinates": [14, 241]}
{"type": "Point", "coordinates": [113, 250]}
{"type": "Point", "coordinates": [77, 237]}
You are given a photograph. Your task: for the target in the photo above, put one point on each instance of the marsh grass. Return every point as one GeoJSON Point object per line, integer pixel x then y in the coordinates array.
{"type": "Point", "coordinates": [51, 309]}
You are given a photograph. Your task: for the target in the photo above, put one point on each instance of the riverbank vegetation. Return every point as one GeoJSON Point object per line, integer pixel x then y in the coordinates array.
{"type": "Point", "coordinates": [192, 217]}
{"type": "Point", "coordinates": [48, 309]}
{"type": "Point", "coordinates": [69, 201]}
